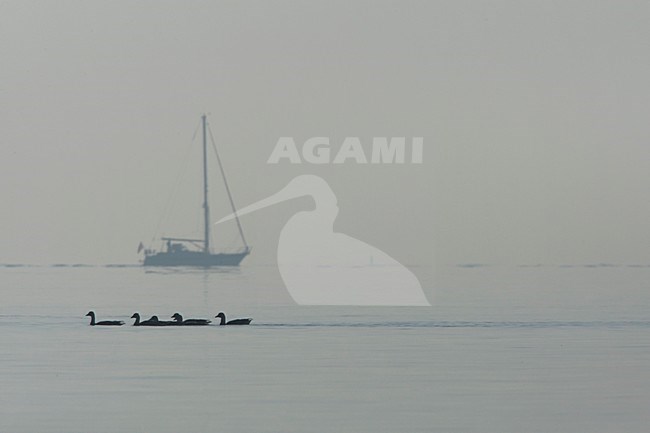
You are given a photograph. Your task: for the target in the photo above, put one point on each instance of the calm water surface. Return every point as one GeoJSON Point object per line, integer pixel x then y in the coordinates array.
{"type": "Point", "coordinates": [549, 349]}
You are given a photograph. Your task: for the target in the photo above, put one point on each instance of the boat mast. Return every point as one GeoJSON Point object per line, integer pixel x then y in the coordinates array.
{"type": "Point", "coordinates": [206, 208]}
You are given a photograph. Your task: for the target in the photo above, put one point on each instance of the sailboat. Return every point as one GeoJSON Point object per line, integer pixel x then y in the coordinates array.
{"type": "Point", "coordinates": [197, 252]}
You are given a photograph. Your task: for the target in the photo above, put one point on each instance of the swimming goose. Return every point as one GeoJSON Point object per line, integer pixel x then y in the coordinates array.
{"type": "Point", "coordinates": [103, 322]}
{"type": "Point", "coordinates": [136, 316]}
{"type": "Point", "coordinates": [222, 316]}
{"type": "Point", "coordinates": [153, 321]}
{"type": "Point", "coordinates": [189, 322]}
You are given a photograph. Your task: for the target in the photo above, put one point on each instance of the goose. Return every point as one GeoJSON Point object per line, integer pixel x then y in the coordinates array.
{"type": "Point", "coordinates": [103, 322]}
{"type": "Point", "coordinates": [136, 316]}
{"type": "Point", "coordinates": [189, 322]}
{"type": "Point", "coordinates": [153, 321]}
{"type": "Point", "coordinates": [222, 316]}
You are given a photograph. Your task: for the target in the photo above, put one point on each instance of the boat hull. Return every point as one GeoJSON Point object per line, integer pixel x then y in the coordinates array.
{"type": "Point", "coordinates": [194, 258]}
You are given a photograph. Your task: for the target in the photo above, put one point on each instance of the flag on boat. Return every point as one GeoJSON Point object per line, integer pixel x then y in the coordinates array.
{"type": "Point", "coordinates": [140, 247]}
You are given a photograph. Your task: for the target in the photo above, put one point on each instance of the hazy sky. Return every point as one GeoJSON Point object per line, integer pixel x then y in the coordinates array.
{"type": "Point", "coordinates": [534, 117]}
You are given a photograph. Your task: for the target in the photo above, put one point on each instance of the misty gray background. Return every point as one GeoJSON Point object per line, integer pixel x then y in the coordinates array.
{"type": "Point", "coordinates": [534, 117]}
